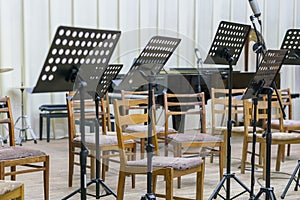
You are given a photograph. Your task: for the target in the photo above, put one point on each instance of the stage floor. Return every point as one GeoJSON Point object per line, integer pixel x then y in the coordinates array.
{"type": "Point", "coordinates": [58, 151]}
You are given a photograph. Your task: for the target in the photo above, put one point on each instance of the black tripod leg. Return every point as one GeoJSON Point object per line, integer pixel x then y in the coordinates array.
{"type": "Point", "coordinates": [291, 180]}
{"type": "Point", "coordinates": [298, 178]}
{"type": "Point", "coordinates": [217, 189]}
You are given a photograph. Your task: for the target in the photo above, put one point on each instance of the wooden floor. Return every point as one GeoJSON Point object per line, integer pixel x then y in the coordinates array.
{"type": "Point", "coordinates": [58, 151]}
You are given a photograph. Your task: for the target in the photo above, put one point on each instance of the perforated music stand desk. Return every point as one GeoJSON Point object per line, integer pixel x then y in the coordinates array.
{"type": "Point", "coordinates": [106, 79]}
{"type": "Point", "coordinates": [76, 60]}
{"type": "Point", "coordinates": [229, 41]}
{"type": "Point", "coordinates": [149, 63]}
{"type": "Point", "coordinates": [291, 42]}
{"type": "Point", "coordinates": [260, 85]}
{"type": "Point", "coordinates": [74, 53]}
{"type": "Point", "coordinates": [225, 50]}
{"type": "Point", "coordinates": [266, 74]}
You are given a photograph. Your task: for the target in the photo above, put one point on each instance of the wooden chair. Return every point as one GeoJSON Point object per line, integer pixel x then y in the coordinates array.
{"type": "Point", "coordinates": [17, 157]}
{"type": "Point", "coordinates": [160, 130]}
{"type": "Point", "coordinates": [169, 167]}
{"type": "Point", "coordinates": [108, 143]}
{"type": "Point", "coordinates": [289, 124]}
{"type": "Point", "coordinates": [219, 112]}
{"type": "Point", "coordinates": [11, 190]}
{"type": "Point", "coordinates": [193, 106]}
{"type": "Point", "coordinates": [278, 138]}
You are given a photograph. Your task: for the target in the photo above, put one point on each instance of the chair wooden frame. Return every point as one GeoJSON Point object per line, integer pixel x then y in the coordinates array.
{"type": "Point", "coordinates": [219, 110]}
{"type": "Point", "coordinates": [36, 161]}
{"type": "Point", "coordinates": [105, 148]}
{"type": "Point", "coordinates": [168, 172]}
{"type": "Point", "coordinates": [278, 138]}
{"type": "Point", "coordinates": [289, 124]}
{"type": "Point", "coordinates": [160, 129]}
{"type": "Point", "coordinates": [195, 101]}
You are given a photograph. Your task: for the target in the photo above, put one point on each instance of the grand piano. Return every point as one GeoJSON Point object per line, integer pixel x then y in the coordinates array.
{"type": "Point", "coordinates": [188, 80]}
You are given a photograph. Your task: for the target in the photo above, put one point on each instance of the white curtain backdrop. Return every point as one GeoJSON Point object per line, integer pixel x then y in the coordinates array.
{"type": "Point", "coordinates": [28, 26]}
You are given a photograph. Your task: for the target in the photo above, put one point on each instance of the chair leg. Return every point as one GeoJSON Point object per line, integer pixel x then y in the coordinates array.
{"type": "Point", "coordinates": [92, 164]}
{"type": "Point", "coordinates": [279, 155]}
{"type": "Point", "coordinates": [154, 179]}
{"type": "Point", "coordinates": [200, 183]}
{"type": "Point", "coordinates": [244, 155]}
{"type": "Point", "coordinates": [46, 178]}
{"type": "Point", "coordinates": [2, 171]}
{"type": "Point", "coordinates": [169, 183]}
{"type": "Point", "coordinates": [71, 167]}
{"type": "Point", "coordinates": [221, 159]}
{"type": "Point", "coordinates": [121, 185]}
{"type": "Point", "coordinates": [142, 148]}
{"type": "Point", "coordinates": [288, 150]}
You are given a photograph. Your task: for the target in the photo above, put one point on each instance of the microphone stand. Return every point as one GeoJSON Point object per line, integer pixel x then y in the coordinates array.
{"type": "Point", "coordinates": [199, 61]}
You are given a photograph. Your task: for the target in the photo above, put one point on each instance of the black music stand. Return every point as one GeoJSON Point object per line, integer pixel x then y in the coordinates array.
{"type": "Point", "coordinates": [76, 60]}
{"type": "Point", "coordinates": [291, 42]}
{"type": "Point", "coordinates": [149, 63]}
{"type": "Point", "coordinates": [261, 85]}
{"type": "Point", "coordinates": [104, 83]}
{"type": "Point", "coordinates": [225, 50]}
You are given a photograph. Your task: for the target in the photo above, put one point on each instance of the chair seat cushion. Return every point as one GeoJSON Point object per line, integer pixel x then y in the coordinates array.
{"type": "Point", "coordinates": [286, 123]}
{"type": "Point", "coordinates": [177, 163]}
{"type": "Point", "coordinates": [282, 136]}
{"type": "Point", "coordinates": [237, 129]}
{"type": "Point", "coordinates": [8, 186]}
{"type": "Point", "coordinates": [144, 128]}
{"type": "Point", "coordinates": [193, 137]}
{"type": "Point", "coordinates": [103, 140]}
{"type": "Point", "coordinates": [16, 152]}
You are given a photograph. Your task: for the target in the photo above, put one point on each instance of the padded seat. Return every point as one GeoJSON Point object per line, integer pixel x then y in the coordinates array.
{"type": "Point", "coordinates": [11, 190]}
{"type": "Point", "coordinates": [286, 123]}
{"type": "Point", "coordinates": [177, 163]}
{"type": "Point", "coordinates": [144, 128]}
{"type": "Point", "coordinates": [197, 137]}
{"type": "Point", "coordinates": [103, 140]}
{"type": "Point", "coordinates": [281, 136]}
{"type": "Point", "coordinates": [16, 152]}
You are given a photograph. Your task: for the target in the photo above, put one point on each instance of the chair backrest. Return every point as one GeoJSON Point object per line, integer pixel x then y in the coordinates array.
{"type": "Point", "coordinates": [219, 106]}
{"type": "Point", "coordinates": [261, 113]}
{"type": "Point", "coordinates": [73, 107]}
{"type": "Point", "coordinates": [6, 117]}
{"type": "Point", "coordinates": [286, 101]}
{"type": "Point", "coordinates": [185, 104]}
{"type": "Point", "coordinates": [125, 119]}
{"type": "Point", "coordinates": [138, 95]}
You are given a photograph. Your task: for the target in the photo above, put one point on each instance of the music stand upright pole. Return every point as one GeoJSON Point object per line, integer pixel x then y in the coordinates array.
{"type": "Point", "coordinates": [261, 84]}
{"type": "Point", "coordinates": [226, 49]}
{"type": "Point", "coordinates": [80, 56]}
{"type": "Point", "coordinates": [143, 71]}
{"type": "Point", "coordinates": [291, 43]}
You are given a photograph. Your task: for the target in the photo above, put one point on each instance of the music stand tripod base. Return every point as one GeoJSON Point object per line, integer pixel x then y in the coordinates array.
{"type": "Point", "coordinates": [76, 60]}
{"type": "Point", "coordinates": [291, 180]}
{"type": "Point", "coordinates": [225, 50]}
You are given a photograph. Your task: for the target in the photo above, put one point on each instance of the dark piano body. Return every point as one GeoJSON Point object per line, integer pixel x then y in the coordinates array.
{"type": "Point", "coordinates": [188, 80]}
